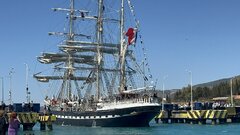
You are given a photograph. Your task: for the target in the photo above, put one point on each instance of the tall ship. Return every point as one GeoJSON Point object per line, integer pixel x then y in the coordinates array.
{"type": "Point", "coordinates": [100, 75]}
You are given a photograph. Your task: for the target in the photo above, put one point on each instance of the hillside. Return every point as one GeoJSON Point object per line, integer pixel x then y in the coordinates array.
{"type": "Point", "coordinates": [215, 83]}
{"type": "Point", "coordinates": [207, 91]}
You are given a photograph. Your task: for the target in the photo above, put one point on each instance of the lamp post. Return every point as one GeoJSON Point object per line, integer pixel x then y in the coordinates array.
{"type": "Point", "coordinates": [2, 91]}
{"type": "Point", "coordinates": [27, 91]}
{"type": "Point", "coordinates": [10, 90]}
{"type": "Point", "coordinates": [231, 82]}
{"type": "Point", "coordinates": [190, 74]}
{"type": "Point", "coordinates": [163, 93]}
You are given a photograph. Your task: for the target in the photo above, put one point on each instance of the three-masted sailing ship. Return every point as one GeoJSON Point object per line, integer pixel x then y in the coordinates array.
{"type": "Point", "coordinates": [102, 80]}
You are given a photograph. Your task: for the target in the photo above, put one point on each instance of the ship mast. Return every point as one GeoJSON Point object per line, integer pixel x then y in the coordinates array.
{"type": "Point", "coordinates": [68, 73]}
{"type": "Point", "coordinates": [99, 41]}
{"type": "Point", "coordinates": [122, 46]}
{"type": "Point", "coordinates": [87, 56]}
{"type": "Point", "coordinates": [71, 22]}
{"type": "Point", "coordinates": [70, 37]}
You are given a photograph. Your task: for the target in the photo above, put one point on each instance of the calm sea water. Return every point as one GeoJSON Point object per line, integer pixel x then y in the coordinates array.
{"type": "Point", "coordinates": [155, 129]}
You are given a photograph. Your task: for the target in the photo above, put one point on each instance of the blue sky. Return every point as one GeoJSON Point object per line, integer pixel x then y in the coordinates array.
{"type": "Point", "coordinates": [199, 35]}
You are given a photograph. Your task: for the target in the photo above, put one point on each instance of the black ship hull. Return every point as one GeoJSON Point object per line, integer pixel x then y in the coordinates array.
{"type": "Point", "coordinates": [125, 117]}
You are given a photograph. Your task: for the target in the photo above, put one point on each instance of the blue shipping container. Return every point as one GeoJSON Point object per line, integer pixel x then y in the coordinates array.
{"type": "Point", "coordinates": [17, 107]}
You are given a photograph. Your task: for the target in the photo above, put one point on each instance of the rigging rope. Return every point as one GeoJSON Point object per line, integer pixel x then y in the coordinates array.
{"type": "Point", "coordinates": [133, 13]}
{"type": "Point", "coordinates": [140, 36]}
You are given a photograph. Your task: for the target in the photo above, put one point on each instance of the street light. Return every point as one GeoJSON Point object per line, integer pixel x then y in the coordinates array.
{"type": "Point", "coordinates": [190, 73]}
{"type": "Point", "coordinates": [231, 81]}
{"type": "Point", "coordinates": [2, 91]}
{"type": "Point", "coordinates": [163, 92]}
{"type": "Point", "coordinates": [27, 91]}
{"type": "Point", "coordinates": [10, 90]}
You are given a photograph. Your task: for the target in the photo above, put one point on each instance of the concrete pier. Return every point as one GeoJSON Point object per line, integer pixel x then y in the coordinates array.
{"type": "Point", "coordinates": [228, 115]}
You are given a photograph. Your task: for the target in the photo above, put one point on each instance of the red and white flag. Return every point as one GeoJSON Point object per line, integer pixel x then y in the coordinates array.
{"type": "Point", "coordinates": [132, 36]}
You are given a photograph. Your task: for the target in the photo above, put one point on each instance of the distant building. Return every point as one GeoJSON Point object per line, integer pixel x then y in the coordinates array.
{"type": "Point", "coordinates": [220, 99]}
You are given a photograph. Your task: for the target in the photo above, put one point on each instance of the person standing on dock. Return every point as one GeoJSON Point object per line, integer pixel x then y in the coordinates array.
{"type": "Point", "coordinates": [3, 123]}
{"type": "Point", "coordinates": [13, 124]}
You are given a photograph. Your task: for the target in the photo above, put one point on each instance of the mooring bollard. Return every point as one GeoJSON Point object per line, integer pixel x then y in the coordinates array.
{"type": "Point", "coordinates": [50, 127]}
{"type": "Point", "coordinates": [27, 127]}
{"type": "Point", "coordinates": [42, 126]}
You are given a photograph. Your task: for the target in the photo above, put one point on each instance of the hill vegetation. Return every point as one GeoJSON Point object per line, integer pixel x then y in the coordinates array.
{"type": "Point", "coordinates": [206, 91]}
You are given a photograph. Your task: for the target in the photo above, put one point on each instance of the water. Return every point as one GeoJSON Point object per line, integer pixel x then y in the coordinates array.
{"type": "Point", "coordinates": [155, 129]}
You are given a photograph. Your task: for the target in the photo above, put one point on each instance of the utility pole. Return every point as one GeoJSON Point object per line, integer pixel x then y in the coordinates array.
{"type": "Point", "coordinates": [190, 73]}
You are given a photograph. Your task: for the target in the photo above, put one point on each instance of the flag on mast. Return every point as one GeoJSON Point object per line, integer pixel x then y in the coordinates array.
{"type": "Point", "coordinates": [132, 36]}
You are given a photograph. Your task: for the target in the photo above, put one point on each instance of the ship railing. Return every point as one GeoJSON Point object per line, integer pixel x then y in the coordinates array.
{"type": "Point", "coordinates": [127, 103]}
{"type": "Point", "coordinates": [77, 107]}
{"type": "Point", "coordinates": [130, 101]}
{"type": "Point", "coordinates": [105, 104]}
{"type": "Point", "coordinates": [137, 100]}
{"type": "Point", "coordinates": [137, 90]}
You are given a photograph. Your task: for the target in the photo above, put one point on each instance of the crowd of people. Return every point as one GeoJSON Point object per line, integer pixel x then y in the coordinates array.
{"type": "Point", "coordinates": [10, 124]}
